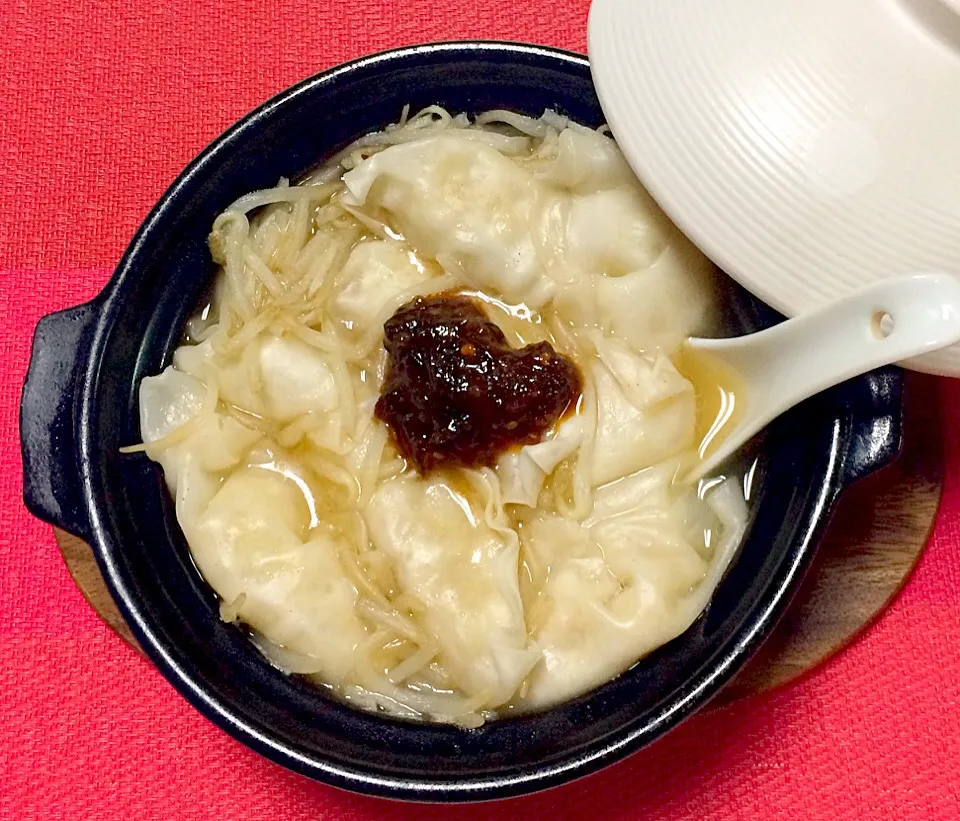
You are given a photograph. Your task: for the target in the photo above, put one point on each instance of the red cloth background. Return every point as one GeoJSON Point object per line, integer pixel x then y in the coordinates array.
{"type": "Point", "coordinates": [101, 104]}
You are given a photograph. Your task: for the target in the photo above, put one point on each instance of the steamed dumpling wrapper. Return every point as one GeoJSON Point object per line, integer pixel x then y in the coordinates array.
{"type": "Point", "coordinates": [281, 377]}
{"type": "Point", "coordinates": [375, 273]}
{"type": "Point", "coordinates": [626, 271]}
{"type": "Point", "coordinates": [253, 543]}
{"type": "Point", "coordinates": [523, 472]}
{"type": "Point", "coordinates": [585, 161]}
{"type": "Point", "coordinates": [174, 404]}
{"type": "Point", "coordinates": [284, 379]}
{"type": "Point", "coordinates": [646, 411]}
{"type": "Point", "coordinates": [610, 233]}
{"type": "Point", "coordinates": [464, 204]}
{"type": "Point", "coordinates": [657, 307]}
{"type": "Point", "coordinates": [623, 582]}
{"type": "Point", "coordinates": [462, 565]}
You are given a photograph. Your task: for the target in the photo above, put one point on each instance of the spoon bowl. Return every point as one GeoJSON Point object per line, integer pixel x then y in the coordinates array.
{"type": "Point", "coordinates": [756, 378]}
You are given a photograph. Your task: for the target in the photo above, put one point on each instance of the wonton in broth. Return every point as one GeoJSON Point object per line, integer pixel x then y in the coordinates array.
{"type": "Point", "coordinates": [468, 592]}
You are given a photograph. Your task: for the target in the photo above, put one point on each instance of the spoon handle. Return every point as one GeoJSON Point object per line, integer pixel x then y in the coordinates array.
{"type": "Point", "coordinates": [887, 322]}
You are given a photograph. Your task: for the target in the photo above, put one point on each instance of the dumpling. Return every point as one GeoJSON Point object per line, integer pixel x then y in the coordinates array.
{"type": "Point", "coordinates": [639, 526]}
{"type": "Point", "coordinates": [464, 204]}
{"type": "Point", "coordinates": [623, 582]}
{"type": "Point", "coordinates": [658, 307]}
{"type": "Point", "coordinates": [646, 411]}
{"type": "Point", "coordinates": [463, 568]}
{"type": "Point", "coordinates": [523, 472]}
{"type": "Point", "coordinates": [296, 379]}
{"type": "Point", "coordinates": [586, 161]}
{"type": "Point", "coordinates": [250, 535]}
{"type": "Point", "coordinates": [283, 379]}
{"type": "Point", "coordinates": [375, 273]}
{"type": "Point", "coordinates": [235, 381]}
{"type": "Point", "coordinates": [645, 380]}
{"type": "Point", "coordinates": [167, 403]}
{"type": "Point", "coordinates": [619, 266]}
{"type": "Point", "coordinates": [253, 544]}
{"type": "Point", "coordinates": [613, 232]}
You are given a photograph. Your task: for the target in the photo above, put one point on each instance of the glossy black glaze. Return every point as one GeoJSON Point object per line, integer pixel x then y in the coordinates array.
{"type": "Point", "coordinates": [79, 407]}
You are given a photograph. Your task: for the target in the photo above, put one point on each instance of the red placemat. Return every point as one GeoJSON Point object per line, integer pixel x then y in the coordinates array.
{"type": "Point", "coordinates": [102, 104]}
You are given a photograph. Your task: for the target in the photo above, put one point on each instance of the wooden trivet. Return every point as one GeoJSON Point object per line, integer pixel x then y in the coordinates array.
{"type": "Point", "coordinates": [875, 540]}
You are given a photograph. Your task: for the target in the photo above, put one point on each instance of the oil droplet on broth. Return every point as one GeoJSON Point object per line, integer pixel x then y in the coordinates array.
{"type": "Point", "coordinates": [721, 396]}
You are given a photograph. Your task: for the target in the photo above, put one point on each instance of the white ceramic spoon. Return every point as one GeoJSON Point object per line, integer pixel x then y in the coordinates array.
{"type": "Point", "coordinates": [779, 367]}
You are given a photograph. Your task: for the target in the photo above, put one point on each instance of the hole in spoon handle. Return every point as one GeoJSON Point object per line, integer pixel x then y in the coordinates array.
{"type": "Point", "coordinates": [881, 324]}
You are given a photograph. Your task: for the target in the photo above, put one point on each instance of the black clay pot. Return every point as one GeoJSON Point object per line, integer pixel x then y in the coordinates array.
{"type": "Point", "coordinates": [79, 407]}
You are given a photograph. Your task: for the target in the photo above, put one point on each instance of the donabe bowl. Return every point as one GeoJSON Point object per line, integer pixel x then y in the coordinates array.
{"type": "Point", "coordinates": [80, 406]}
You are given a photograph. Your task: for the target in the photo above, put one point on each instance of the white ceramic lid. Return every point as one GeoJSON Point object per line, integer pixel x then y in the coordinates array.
{"type": "Point", "coordinates": [809, 147]}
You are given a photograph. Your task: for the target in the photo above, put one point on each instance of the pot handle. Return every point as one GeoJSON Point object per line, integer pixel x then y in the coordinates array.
{"type": "Point", "coordinates": [51, 471]}
{"type": "Point", "coordinates": [876, 417]}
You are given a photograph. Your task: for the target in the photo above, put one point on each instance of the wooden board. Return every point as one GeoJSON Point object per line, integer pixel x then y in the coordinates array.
{"type": "Point", "coordinates": [875, 540]}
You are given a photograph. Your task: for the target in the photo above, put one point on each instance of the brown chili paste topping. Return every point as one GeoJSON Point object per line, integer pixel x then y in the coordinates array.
{"type": "Point", "coordinates": [457, 394]}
